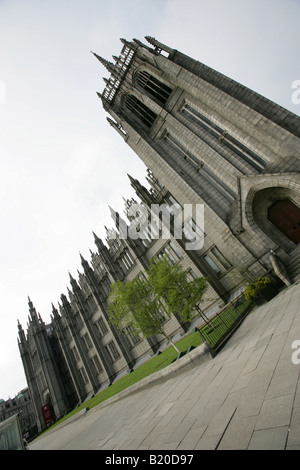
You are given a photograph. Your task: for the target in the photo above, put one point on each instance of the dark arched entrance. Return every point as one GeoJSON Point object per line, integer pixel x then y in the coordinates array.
{"type": "Point", "coordinates": [285, 215]}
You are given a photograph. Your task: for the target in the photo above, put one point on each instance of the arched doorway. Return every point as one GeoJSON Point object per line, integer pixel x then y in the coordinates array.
{"type": "Point", "coordinates": [285, 215]}
{"type": "Point", "coordinates": [276, 212]}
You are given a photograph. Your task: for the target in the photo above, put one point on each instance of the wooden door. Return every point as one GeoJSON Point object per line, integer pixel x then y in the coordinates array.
{"type": "Point", "coordinates": [285, 215]}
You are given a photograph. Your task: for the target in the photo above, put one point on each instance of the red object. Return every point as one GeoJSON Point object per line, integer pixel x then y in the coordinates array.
{"type": "Point", "coordinates": [48, 418]}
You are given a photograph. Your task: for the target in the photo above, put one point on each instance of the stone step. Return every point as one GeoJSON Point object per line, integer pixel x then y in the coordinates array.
{"type": "Point", "coordinates": [293, 265]}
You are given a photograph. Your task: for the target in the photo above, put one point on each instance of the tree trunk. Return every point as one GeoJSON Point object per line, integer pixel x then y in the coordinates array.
{"type": "Point", "coordinates": [170, 341]}
{"type": "Point", "coordinates": [175, 347]}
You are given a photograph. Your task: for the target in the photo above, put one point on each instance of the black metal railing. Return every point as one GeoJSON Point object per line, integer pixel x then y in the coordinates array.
{"type": "Point", "coordinates": [221, 327]}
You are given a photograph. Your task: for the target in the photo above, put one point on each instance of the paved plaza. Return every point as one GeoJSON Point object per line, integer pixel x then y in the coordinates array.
{"type": "Point", "coordinates": [247, 397]}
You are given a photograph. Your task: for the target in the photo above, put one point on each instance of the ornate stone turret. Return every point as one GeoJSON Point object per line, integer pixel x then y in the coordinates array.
{"type": "Point", "coordinates": [22, 337]}
{"type": "Point", "coordinates": [141, 191]}
{"type": "Point", "coordinates": [112, 267]}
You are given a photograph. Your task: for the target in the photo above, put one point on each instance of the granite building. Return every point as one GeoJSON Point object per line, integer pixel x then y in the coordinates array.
{"type": "Point", "coordinates": [22, 406]}
{"type": "Point", "coordinates": [205, 139]}
{"type": "Point", "coordinates": [209, 139]}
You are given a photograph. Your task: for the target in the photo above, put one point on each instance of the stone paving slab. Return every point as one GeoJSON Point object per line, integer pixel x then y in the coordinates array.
{"type": "Point", "coordinates": [247, 397]}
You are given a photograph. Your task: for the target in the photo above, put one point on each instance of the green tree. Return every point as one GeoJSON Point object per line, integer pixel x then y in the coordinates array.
{"type": "Point", "coordinates": [180, 294]}
{"type": "Point", "coordinates": [145, 303]}
{"type": "Point", "coordinates": [135, 303]}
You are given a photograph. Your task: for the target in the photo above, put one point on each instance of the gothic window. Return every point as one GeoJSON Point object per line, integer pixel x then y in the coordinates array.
{"type": "Point", "coordinates": [97, 365]}
{"type": "Point", "coordinates": [112, 351]}
{"type": "Point", "coordinates": [87, 341]}
{"type": "Point", "coordinates": [191, 275]}
{"type": "Point", "coordinates": [209, 178]}
{"type": "Point", "coordinates": [221, 258]}
{"type": "Point", "coordinates": [140, 110]}
{"type": "Point", "coordinates": [172, 252]}
{"type": "Point", "coordinates": [167, 252]}
{"type": "Point", "coordinates": [131, 335]}
{"type": "Point", "coordinates": [237, 154]}
{"type": "Point", "coordinates": [126, 261]}
{"type": "Point", "coordinates": [173, 201]}
{"type": "Point", "coordinates": [102, 326]}
{"type": "Point", "coordinates": [216, 261]}
{"type": "Point", "coordinates": [211, 263]}
{"type": "Point", "coordinates": [154, 87]}
{"type": "Point", "coordinates": [175, 249]}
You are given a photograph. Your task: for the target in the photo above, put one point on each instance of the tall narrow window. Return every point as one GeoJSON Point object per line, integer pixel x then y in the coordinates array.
{"type": "Point", "coordinates": [157, 89]}
{"type": "Point", "coordinates": [97, 365]}
{"type": "Point", "coordinates": [87, 341]}
{"type": "Point", "coordinates": [112, 351]}
{"type": "Point", "coordinates": [127, 260]}
{"type": "Point", "coordinates": [212, 265]}
{"type": "Point", "coordinates": [217, 261]}
{"type": "Point", "coordinates": [202, 169]}
{"type": "Point", "coordinates": [131, 335]}
{"type": "Point", "coordinates": [102, 326]}
{"type": "Point", "coordinates": [221, 258]}
{"type": "Point", "coordinates": [240, 156]}
{"type": "Point", "coordinates": [140, 110]}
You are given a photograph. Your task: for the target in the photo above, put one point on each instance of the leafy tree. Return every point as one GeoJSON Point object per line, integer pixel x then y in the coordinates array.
{"type": "Point", "coordinates": [144, 303]}
{"type": "Point", "coordinates": [135, 303]}
{"type": "Point", "coordinates": [180, 294]}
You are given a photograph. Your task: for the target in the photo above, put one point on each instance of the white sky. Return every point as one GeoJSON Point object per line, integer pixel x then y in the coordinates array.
{"type": "Point", "coordinates": [61, 163]}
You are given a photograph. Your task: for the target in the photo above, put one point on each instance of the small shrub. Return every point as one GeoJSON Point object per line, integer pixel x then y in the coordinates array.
{"type": "Point", "coordinates": [253, 289]}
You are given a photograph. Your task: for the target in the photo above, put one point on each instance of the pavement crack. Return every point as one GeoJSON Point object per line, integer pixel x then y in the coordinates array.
{"type": "Point", "coordinates": [229, 421]}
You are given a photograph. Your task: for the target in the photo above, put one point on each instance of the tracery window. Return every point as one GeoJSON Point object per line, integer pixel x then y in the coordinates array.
{"type": "Point", "coordinates": [145, 114]}
{"type": "Point", "coordinates": [157, 89]}
{"type": "Point", "coordinates": [102, 326]}
{"type": "Point", "coordinates": [217, 261]}
{"type": "Point", "coordinates": [237, 154]}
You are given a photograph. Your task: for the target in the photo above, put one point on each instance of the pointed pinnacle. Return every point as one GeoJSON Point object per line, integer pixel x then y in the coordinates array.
{"type": "Point", "coordinates": [130, 178]}
{"type": "Point", "coordinates": [107, 64]}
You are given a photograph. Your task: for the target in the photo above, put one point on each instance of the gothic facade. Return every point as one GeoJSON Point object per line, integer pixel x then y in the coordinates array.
{"type": "Point", "coordinates": [207, 140]}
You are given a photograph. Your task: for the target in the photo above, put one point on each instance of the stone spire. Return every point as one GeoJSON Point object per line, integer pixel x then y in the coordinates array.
{"type": "Point", "coordinates": [32, 311]}
{"type": "Point", "coordinates": [141, 191]}
{"type": "Point", "coordinates": [108, 65]}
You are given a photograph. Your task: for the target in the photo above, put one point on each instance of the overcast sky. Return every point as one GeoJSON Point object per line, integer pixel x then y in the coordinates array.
{"type": "Point", "coordinates": [61, 163]}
